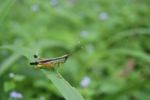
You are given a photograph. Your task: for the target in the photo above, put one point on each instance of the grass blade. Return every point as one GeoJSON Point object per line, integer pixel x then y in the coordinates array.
{"type": "Point", "coordinates": [68, 92]}
{"type": "Point", "coordinates": [8, 62]}
{"type": "Point", "coordinates": [138, 54]}
{"type": "Point", "coordinates": [6, 9]}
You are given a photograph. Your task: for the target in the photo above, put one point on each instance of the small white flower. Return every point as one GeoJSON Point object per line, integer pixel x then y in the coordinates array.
{"type": "Point", "coordinates": [42, 98]}
{"type": "Point", "coordinates": [11, 75]}
{"type": "Point", "coordinates": [35, 7]}
{"type": "Point", "coordinates": [103, 16]}
{"type": "Point", "coordinates": [84, 33]}
{"type": "Point", "coordinates": [85, 82]}
{"type": "Point", "coordinates": [16, 95]}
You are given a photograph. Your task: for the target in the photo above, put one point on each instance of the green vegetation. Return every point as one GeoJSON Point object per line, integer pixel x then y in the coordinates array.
{"type": "Point", "coordinates": [113, 64]}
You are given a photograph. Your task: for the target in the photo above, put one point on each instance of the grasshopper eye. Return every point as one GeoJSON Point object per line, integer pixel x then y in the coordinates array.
{"type": "Point", "coordinates": [35, 56]}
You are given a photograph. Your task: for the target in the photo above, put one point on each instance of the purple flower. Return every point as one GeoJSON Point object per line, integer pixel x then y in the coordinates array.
{"type": "Point", "coordinates": [103, 16]}
{"type": "Point", "coordinates": [16, 95]}
{"type": "Point", "coordinates": [85, 81]}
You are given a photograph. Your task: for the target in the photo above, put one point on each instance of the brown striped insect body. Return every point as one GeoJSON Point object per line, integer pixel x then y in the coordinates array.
{"type": "Point", "coordinates": [49, 63]}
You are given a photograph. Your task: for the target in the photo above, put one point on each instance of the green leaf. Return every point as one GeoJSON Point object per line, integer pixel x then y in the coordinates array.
{"type": "Point", "coordinates": [8, 62]}
{"type": "Point", "coordinates": [68, 92]}
{"type": "Point", "coordinates": [9, 86]}
{"type": "Point", "coordinates": [128, 33]}
{"type": "Point", "coordinates": [19, 78]}
{"type": "Point", "coordinates": [20, 50]}
{"type": "Point", "coordinates": [139, 54]}
{"type": "Point", "coordinates": [6, 9]}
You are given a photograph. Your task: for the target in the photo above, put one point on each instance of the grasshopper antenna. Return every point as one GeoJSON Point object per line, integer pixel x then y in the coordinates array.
{"type": "Point", "coordinates": [76, 49]}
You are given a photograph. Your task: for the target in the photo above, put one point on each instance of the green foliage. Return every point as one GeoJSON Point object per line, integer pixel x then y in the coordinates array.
{"type": "Point", "coordinates": [6, 64]}
{"type": "Point", "coordinates": [9, 86]}
{"type": "Point", "coordinates": [112, 64]}
{"type": "Point", "coordinates": [68, 92]}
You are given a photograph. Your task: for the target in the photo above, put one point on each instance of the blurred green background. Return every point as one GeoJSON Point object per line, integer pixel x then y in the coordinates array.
{"type": "Point", "coordinates": [113, 64]}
